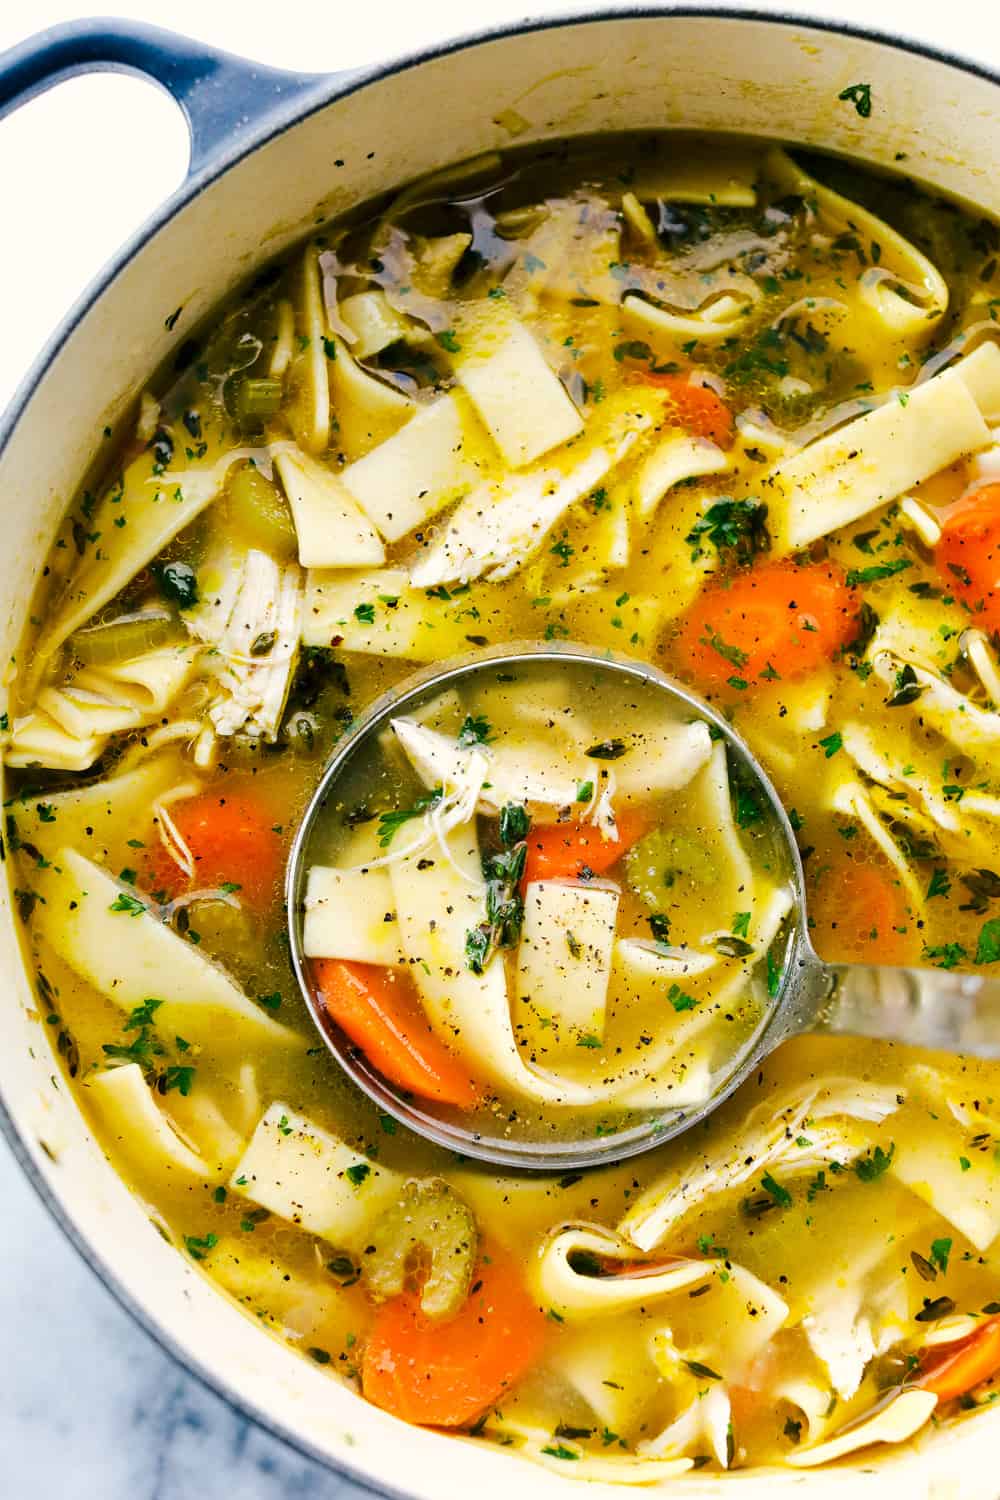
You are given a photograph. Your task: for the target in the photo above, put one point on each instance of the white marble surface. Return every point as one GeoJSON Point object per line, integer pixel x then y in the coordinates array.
{"type": "Point", "coordinates": [90, 1407]}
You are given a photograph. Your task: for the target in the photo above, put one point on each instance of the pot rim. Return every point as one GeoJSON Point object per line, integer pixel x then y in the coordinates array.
{"type": "Point", "coordinates": [325, 92]}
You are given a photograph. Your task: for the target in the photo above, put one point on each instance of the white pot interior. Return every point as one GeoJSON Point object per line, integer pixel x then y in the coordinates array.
{"type": "Point", "coordinates": [714, 73]}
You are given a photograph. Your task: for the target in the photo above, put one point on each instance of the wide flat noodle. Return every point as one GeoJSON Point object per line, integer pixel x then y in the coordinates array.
{"type": "Point", "coordinates": [126, 951]}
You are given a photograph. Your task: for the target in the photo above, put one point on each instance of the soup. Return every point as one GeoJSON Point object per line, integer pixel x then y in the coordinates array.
{"type": "Point", "coordinates": [700, 402]}
{"type": "Point", "coordinates": [523, 875]}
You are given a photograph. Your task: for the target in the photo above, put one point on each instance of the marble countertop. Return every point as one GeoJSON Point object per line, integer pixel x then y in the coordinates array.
{"type": "Point", "coordinates": [90, 1407]}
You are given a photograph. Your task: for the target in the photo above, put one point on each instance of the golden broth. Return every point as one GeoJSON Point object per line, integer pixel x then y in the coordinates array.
{"type": "Point", "coordinates": [862, 1197]}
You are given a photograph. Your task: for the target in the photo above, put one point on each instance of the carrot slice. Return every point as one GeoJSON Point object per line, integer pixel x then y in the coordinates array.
{"type": "Point", "coordinates": [968, 553]}
{"type": "Point", "coordinates": [379, 1010]}
{"type": "Point", "coordinates": [562, 851]}
{"type": "Point", "coordinates": [696, 408]}
{"type": "Point", "coordinates": [857, 912]}
{"type": "Point", "coordinates": [955, 1369]}
{"type": "Point", "coordinates": [233, 840]}
{"type": "Point", "coordinates": [446, 1374]}
{"type": "Point", "coordinates": [775, 620]}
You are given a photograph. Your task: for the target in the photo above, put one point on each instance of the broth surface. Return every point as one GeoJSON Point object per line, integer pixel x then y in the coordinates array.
{"type": "Point", "coordinates": [700, 402]}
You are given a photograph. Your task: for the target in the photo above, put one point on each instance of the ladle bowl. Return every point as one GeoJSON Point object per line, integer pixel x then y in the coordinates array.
{"type": "Point", "coordinates": [921, 1007]}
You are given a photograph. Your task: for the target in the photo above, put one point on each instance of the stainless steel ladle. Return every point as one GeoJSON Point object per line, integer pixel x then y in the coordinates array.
{"type": "Point", "coordinates": [958, 1013]}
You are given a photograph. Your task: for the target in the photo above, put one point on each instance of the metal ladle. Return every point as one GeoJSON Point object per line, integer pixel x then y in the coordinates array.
{"type": "Point", "coordinates": [958, 1013]}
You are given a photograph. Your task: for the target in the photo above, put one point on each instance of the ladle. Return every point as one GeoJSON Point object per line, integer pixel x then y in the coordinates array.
{"type": "Point", "coordinates": [958, 1013]}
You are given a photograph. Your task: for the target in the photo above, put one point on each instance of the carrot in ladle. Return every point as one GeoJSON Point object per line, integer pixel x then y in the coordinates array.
{"type": "Point", "coordinates": [564, 851]}
{"type": "Point", "coordinates": [954, 1369]}
{"type": "Point", "coordinates": [379, 1010]}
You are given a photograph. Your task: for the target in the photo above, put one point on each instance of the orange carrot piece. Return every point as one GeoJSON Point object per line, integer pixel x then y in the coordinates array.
{"type": "Point", "coordinates": [696, 408]}
{"type": "Point", "coordinates": [446, 1374]}
{"type": "Point", "coordinates": [562, 851]}
{"type": "Point", "coordinates": [968, 554]}
{"type": "Point", "coordinates": [954, 1369]}
{"type": "Point", "coordinates": [233, 840]}
{"type": "Point", "coordinates": [857, 913]}
{"type": "Point", "coordinates": [776, 620]}
{"type": "Point", "coordinates": [379, 1010]}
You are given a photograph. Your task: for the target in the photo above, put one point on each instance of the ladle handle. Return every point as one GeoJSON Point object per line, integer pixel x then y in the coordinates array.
{"type": "Point", "coordinates": [921, 1007]}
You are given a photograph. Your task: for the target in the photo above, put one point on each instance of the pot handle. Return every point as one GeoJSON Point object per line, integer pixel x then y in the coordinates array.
{"type": "Point", "coordinates": [219, 94]}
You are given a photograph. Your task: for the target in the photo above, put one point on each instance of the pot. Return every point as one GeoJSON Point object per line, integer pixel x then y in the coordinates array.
{"type": "Point", "coordinates": [270, 154]}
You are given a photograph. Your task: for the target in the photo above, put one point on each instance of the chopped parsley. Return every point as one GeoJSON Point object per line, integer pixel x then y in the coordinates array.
{"type": "Point", "coordinates": [860, 95]}
{"type": "Point", "coordinates": [389, 823]}
{"type": "Point", "coordinates": [877, 1162]}
{"type": "Point", "coordinates": [734, 526]}
{"type": "Point", "coordinates": [781, 1195]}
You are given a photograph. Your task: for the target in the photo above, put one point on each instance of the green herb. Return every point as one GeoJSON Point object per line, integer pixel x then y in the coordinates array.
{"type": "Point", "coordinates": [659, 926]}
{"type": "Point", "coordinates": [964, 1163]}
{"type": "Point", "coordinates": [389, 823]}
{"type": "Point", "coordinates": [504, 904]}
{"type": "Point", "coordinates": [270, 1002]}
{"type": "Point", "coordinates": [781, 1195]}
{"type": "Point", "coordinates": [357, 1174]}
{"type": "Point", "coordinates": [220, 1195]}
{"type": "Point", "coordinates": [680, 999]}
{"type": "Point", "coordinates": [736, 526]}
{"type": "Point", "coordinates": [589, 1041]}
{"type": "Point", "coordinates": [474, 731]}
{"type": "Point", "coordinates": [142, 1015]}
{"type": "Point", "coordinates": [988, 947]}
{"type": "Point", "coordinates": [198, 1247]}
{"type": "Point", "coordinates": [746, 805]}
{"type": "Point", "coordinates": [176, 1078]}
{"type": "Point", "coordinates": [562, 550]}
{"type": "Point", "coordinates": [585, 791]}
{"type": "Point", "coordinates": [365, 614]}
{"type": "Point", "coordinates": [729, 653]}
{"type": "Point", "coordinates": [514, 824]}
{"type": "Point", "coordinates": [124, 902]}
{"type": "Point", "coordinates": [741, 923]}
{"type": "Point", "coordinates": [906, 688]}
{"type": "Point", "coordinates": [448, 341]}
{"type": "Point", "coordinates": [832, 744]}
{"type": "Point", "coordinates": [558, 1450]}
{"type": "Point", "coordinates": [46, 812]}
{"type": "Point", "coordinates": [948, 955]}
{"type": "Point", "coordinates": [860, 95]}
{"type": "Point", "coordinates": [773, 975]}
{"type": "Point", "coordinates": [877, 571]}
{"type": "Point", "coordinates": [940, 1251]}
{"type": "Point", "coordinates": [177, 582]}
{"type": "Point", "coordinates": [765, 356]}
{"type": "Point", "coordinates": [875, 1164]}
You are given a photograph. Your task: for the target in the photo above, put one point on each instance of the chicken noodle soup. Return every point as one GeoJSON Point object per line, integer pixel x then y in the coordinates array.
{"type": "Point", "coordinates": [513, 902]}
{"type": "Point", "coordinates": [709, 403]}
